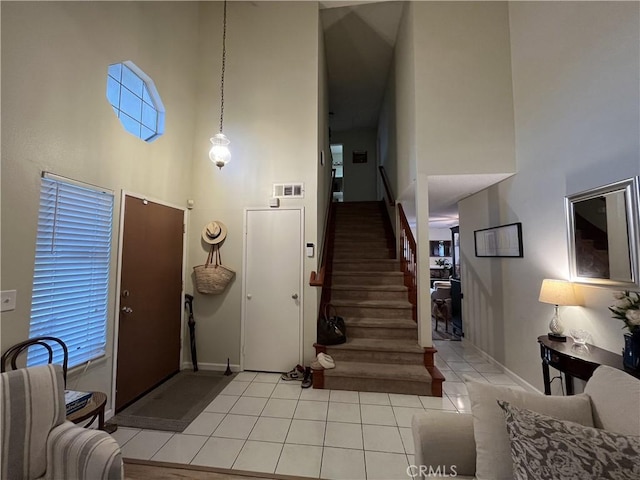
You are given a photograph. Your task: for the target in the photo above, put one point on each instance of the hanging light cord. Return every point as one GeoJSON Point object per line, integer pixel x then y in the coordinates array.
{"type": "Point", "coordinates": [224, 61]}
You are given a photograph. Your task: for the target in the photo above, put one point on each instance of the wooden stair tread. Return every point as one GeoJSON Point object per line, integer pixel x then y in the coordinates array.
{"type": "Point", "coordinates": [365, 232]}
{"type": "Point", "coordinates": [380, 322]}
{"type": "Point", "coordinates": [371, 288]}
{"type": "Point", "coordinates": [345, 224]}
{"type": "Point", "coordinates": [347, 244]}
{"type": "Point", "coordinates": [356, 246]}
{"type": "Point", "coordinates": [345, 239]}
{"type": "Point", "coordinates": [360, 273]}
{"type": "Point", "coordinates": [366, 260]}
{"type": "Point", "coordinates": [340, 262]}
{"type": "Point", "coordinates": [399, 304]}
{"type": "Point", "coordinates": [379, 345]}
{"type": "Point", "coordinates": [380, 371]}
{"type": "Point", "coordinates": [382, 353]}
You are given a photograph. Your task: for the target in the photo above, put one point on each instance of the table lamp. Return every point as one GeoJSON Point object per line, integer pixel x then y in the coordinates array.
{"type": "Point", "coordinates": [557, 292]}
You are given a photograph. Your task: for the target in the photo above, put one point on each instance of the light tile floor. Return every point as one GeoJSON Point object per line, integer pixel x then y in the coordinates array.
{"type": "Point", "coordinates": [263, 424]}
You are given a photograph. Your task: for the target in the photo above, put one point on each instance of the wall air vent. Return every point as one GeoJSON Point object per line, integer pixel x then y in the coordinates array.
{"type": "Point", "coordinates": [288, 190]}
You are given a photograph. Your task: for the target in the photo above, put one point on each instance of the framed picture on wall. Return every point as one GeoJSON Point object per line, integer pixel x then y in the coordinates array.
{"type": "Point", "coordinates": [502, 241]}
{"type": "Point", "coordinates": [359, 156]}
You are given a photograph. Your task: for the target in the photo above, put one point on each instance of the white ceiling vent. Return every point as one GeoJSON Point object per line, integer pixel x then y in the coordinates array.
{"type": "Point", "coordinates": [288, 190]}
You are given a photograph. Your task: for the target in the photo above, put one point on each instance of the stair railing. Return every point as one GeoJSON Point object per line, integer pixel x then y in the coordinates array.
{"type": "Point", "coordinates": [408, 261]}
{"type": "Point", "coordinates": [391, 199]}
{"type": "Point", "coordinates": [319, 278]}
{"type": "Point", "coordinates": [408, 251]}
{"type": "Point", "coordinates": [409, 265]}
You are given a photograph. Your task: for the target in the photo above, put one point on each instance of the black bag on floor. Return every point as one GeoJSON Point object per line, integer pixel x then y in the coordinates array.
{"type": "Point", "coordinates": [331, 328]}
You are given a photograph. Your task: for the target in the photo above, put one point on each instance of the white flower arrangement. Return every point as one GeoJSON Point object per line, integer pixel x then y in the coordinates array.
{"type": "Point", "coordinates": [627, 309]}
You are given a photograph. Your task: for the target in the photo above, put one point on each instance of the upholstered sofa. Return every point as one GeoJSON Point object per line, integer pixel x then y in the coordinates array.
{"type": "Point", "coordinates": [516, 434]}
{"type": "Point", "coordinates": [37, 442]}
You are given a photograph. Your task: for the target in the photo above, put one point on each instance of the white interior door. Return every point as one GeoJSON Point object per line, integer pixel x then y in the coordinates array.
{"type": "Point", "coordinates": [272, 330]}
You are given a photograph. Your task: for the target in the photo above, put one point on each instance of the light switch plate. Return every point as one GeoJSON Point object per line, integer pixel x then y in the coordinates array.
{"type": "Point", "coordinates": [8, 301]}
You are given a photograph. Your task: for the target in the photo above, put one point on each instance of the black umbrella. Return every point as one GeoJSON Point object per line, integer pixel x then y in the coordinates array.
{"type": "Point", "coordinates": [188, 300]}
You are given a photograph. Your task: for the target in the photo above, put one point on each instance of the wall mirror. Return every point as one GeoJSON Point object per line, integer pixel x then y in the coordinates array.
{"type": "Point", "coordinates": [602, 229]}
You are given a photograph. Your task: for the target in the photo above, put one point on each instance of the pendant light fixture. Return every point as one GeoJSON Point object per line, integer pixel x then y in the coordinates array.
{"type": "Point", "coordinates": [219, 153]}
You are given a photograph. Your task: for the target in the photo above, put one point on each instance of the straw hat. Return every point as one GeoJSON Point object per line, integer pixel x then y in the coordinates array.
{"type": "Point", "coordinates": [214, 232]}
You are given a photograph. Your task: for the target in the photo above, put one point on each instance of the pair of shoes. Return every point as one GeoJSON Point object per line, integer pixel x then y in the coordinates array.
{"type": "Point", "coordinates": [297, 373]}
{"type": "Point", "coordinates": [308, 378]}
{"type": "Point", "coordinates": [325, 361]}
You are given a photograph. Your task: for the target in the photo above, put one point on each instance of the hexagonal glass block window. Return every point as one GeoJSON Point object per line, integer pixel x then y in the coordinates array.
{"type": "Point", "coordinates": [135, 101]}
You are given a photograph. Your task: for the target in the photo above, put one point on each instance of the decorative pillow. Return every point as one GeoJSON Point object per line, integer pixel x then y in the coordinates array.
{"type": "Point", "coordinates": [493, 453]}
{"type": "Point", "coordinates": [545, 448]}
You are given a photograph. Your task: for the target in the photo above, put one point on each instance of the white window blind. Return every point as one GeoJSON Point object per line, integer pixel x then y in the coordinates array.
{"type": "Point", "coordinates": [71, 275]}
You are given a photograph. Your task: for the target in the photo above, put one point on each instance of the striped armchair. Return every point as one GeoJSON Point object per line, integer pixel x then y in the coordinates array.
{"type": "Point", "coordinates": [37, 442]}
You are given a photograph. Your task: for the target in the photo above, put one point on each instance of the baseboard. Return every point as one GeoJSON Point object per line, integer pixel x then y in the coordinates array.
{"type": "Point", "coordinates": [514, 376]}
{"type": "Point", "coordinates": [216, 367]}
{"type": "Point", "coordinates": [521, 381]}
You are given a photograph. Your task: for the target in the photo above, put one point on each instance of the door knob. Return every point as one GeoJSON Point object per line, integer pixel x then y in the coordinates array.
{"type": "Point", "coordinates": [127, 310]}
{"type": "Point", "coordinates": [294, 296]}
{"type": "Point", "coordinates": [249, 296]}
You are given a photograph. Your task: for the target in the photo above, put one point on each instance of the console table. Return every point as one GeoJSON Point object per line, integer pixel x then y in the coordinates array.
{"type": "Point", "coordinates": [575, 360]}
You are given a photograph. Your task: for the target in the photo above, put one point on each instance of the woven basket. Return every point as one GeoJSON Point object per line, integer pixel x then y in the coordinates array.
{"type": "Point", "coordinates": [213, 277]}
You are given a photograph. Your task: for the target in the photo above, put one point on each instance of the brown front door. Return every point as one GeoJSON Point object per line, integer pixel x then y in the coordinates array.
{"type": "Point", "coordinates": [150, 298]}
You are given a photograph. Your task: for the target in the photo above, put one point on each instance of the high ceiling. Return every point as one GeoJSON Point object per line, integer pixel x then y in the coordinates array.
{"type": "Point", "coordinates": [359, 41]}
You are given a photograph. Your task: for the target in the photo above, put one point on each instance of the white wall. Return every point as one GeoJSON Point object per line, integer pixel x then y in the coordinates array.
{"type": "Point", "coordinates": [271, 118]}
{"type": "Point", "coordinates": [575, 82]}
{"type": "Point", "coordinates": [324, 172]}
{"type": "Point", "coordinates": [359, 179]}
{"type": "Point", "coordinates": [463, 106]}
{"type": "Point", "coordinates": [447, 109]}
{"type": "Point", "coordinates": [401, 134]}
{"type": "Point", "coordinates": [55, 117]}
{"type": "Point", "coordinates": [387, 142]}
{"type": "Point", "coordinates": [396, 125]}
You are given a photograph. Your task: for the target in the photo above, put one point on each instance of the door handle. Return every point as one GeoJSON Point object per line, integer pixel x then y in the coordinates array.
{"type": "Point", "coordinates": [294, 296]}
{"type": "Point", "coordinates": [127, 310]}
{"type": "Point", "coordinates": [248, 296]}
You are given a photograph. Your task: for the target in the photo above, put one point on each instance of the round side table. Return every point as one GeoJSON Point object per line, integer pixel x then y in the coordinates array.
{"type": "Point", "coordinates": [94, 408]}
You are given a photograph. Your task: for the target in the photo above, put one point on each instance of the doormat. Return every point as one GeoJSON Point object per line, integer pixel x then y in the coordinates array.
{"type": "Point", "coordinates": [440, 335]}
{"type": "Point", "coordinates": [176, 403]}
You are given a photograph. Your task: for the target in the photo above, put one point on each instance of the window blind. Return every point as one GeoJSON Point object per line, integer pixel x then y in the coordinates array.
{"type": "Point", "coordinates": [71, 275]}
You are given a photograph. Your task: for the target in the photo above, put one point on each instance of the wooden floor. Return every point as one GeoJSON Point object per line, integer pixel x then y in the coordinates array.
{"type": "Point", "coordinates": [140, 470]}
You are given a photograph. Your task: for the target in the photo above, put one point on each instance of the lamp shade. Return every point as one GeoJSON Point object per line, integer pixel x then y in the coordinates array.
{"type": "Point", "coordinates": [558, 292]}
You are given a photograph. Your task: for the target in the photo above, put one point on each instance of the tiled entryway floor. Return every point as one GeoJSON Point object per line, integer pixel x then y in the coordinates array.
{"type": "Point", "coordinates": [260, 423]}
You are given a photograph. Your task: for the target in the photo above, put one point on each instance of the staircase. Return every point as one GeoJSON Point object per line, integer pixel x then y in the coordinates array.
{"type": "Point", "coordinates": [593, 257]}
{"type": "Point", "coordinates": [367, 289]}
